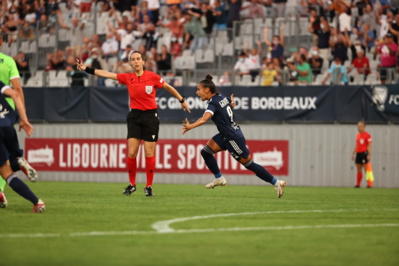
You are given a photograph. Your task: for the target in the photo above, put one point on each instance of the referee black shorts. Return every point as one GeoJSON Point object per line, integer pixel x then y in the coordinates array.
{"type": "Point", "coordinates": [143, 125]}
{"type": "Point", "coordinates": [361, 157]}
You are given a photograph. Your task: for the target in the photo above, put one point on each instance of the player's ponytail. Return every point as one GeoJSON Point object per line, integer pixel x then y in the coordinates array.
{"type": "Point", "coordinates": [208, 83]}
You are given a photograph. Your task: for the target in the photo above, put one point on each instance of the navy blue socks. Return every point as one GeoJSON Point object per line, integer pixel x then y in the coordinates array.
{"type": "Point", "coordinates": [260, 172]}
{"type": "Point", "coordinates": [210, 161]}
{"type": "Point", "coordinates": [21, 188]}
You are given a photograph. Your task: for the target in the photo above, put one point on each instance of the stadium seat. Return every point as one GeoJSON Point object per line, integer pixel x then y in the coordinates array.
{"type": "Point", "coordinates": [209, 56]}
{"type": "Point", "coordinates": [358, 79]}
{"type": "Point", "coordinates": [24, 47]}
{"type": "Point", "coordinates": [111, 83]}
{"type": "Point", "coordinates": [199, 56]}
{"type": "Point", "coordinates": [228, 50]}
{"type": "Point", "coordinates": [372, 79]}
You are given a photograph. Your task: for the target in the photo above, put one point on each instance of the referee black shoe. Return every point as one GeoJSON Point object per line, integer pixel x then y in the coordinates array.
{"type": "Point", "coordinates": [129, 190]}
{"type": "Point", "coordinates": [148, 192]}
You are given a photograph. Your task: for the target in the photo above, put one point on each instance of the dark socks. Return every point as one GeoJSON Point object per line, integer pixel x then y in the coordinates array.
{"type": "Point", "coordinates": [210, 161]}
{"type": "Point", "coordinates": [21, 188]}
{"type": "Point", "coordinates": [260, 172]}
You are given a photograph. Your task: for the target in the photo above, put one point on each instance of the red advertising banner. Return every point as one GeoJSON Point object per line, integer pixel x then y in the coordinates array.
{"type": "Point", "coordinates": [172, 156]}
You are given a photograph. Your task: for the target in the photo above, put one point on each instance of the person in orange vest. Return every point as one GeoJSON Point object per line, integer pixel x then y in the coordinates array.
{"type": "Point", "coordinates": [362, 154]}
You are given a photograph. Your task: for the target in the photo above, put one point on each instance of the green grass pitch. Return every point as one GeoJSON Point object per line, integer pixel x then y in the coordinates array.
{"type": "Point", "coordinates": [94, 224]}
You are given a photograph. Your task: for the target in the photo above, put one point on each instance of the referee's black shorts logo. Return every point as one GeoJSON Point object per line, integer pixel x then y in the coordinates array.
{"type": "Point", "coordinates": [361, 157]}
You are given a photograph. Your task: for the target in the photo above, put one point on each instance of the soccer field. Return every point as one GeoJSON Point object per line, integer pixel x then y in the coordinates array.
{"type": "Point", "coordinates": [94, 224]}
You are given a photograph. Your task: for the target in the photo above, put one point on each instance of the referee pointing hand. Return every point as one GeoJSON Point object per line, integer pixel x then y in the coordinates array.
{"type": "Point", "coordinates": [142, 120]}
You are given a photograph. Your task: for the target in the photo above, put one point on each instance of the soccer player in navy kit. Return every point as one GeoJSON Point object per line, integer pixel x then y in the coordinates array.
{"type": "Point", "coordinates": [230, 136]}
{"type": "Point", "coordinates": [9, 145]}
{"type": "Point", "coordinates": [142, 120]}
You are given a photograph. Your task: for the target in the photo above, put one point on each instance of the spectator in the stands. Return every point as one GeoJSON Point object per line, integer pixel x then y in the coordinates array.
{"type": "Point", "coordinates": [233, 12]}
{"type": "Point", "coordinates": [194, 32]}
{"type": "Point", "coordinates": [110, 47]}
{"type": "Point", "coordinates": [292, 72]}
{"type": "Point", "coordinates": [394, 26]}
{"type": "Point", "coordinates": [45, 26]}
{"type": "Point", "coordinates": [255, 9]}
{"type": "Point", "coordinates": [147, 31]}
{"type": "Point", "coordinates": [175, 47]}
{"type": "Point", "coordinates": [367, 36]}
{"type": "Point", "coordinates": [220, 14]}
{"type": "Point", "coordinates": [387, 50]}
{"type": "Point", "coordinates": [125, 5]}
{"type": "Point", "coordinates": [77, 77]}
{"type": "Point", "coordinates": [77, 35]}
{"type": "Point", "coordinates": [322, 31]}
{"type": "Point", "coordinates": [340, 47]}
{"type": "Point", "coordinates": [279, 7]}
{"type": "Point", "coordinates": [277, 46]}
{"type": "Point", "coordinates": [124, 35]}
{"type": "Point", "coordinates": [242, 66]}
{"type": "Point", "coordinates": [343, 9]}
{"type": "Point", "coordinates": [153, 6]}
{"type": "Point", "coordinates": [56, 61]}
{"type": "Point", "coordinates": [95, 61]}
{"type": "Point", "coordinates": [304, 71]}
{"type": "Point", "coordinates": [143, 11]}
{"type": "Point", "coordinates": [337, 72]}
{"type": "Point", "coordinates": [303, 51]}
{"type": "Point", "coordinates": [175, 27]}
{"type": "Point", "coordinates": [30, 14]}
{"type": "Point", "coordinates": [172, 80]}
{"type": "Point", "coordinates": [253, 59]}
{"type": "Point", "coordinates": [360, 63]}
{"type": "Point", "coordinates": [26, 32]}
{"type": "Point", "coordinates": [10, 27]}
{"type": "Point", "coordinates": [164, 60]}
{"type": "Point", "coordinates": [206, 17]}
{"type": "Point", "coordinates": [315, 61]}
{"type": "Point", "coordinates": [269, 74]}
{"type": "Point", "coordinates": [23, 66]}
{"type": "Point", "coordinates": [85, 6]}
{"type": "Point", "coordinates": [126, 52]}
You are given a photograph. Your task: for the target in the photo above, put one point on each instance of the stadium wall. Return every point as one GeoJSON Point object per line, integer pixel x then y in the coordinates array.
{"type": "Point", "coordinates": [319, 154]}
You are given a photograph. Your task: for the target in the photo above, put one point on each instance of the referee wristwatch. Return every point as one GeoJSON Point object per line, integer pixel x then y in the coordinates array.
{"type": "Point", "coordinates": [182, 99]}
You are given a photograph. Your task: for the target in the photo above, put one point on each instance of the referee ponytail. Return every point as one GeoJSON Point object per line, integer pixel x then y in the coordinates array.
{"type": "Point", "coordinates": [208, 83]}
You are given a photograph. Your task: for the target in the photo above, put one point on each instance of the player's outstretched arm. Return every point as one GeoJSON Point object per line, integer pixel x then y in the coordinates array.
{"type": "Point", "coordinates": [187, 126]}
{"type": "Point", "coordinates": [175, 93]}
{"type": "Point", "coordinates": [97, 72]}
{"type": "Point", "coordinates": [23, 123]}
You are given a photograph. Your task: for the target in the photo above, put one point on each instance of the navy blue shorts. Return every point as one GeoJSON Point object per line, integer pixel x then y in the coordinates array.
{"type": "Point", "coordinates": [9, 145]}
{"type": "Point", "coordinates": [237, 147]}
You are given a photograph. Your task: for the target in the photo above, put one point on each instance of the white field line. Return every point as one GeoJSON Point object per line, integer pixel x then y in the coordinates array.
{"type": "Point", "coordinates": [163, 227]}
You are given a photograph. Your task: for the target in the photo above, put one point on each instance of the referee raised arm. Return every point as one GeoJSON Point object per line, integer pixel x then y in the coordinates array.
{"type": "Point", "coordinates": [142, 120]}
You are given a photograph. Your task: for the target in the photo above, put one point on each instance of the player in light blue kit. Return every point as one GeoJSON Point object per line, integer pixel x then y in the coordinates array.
{"type": "Point", "coordinates": [230, 136]}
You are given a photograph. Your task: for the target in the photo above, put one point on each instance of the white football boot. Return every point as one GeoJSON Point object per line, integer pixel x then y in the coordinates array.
{"type": "Point", "coordinates": [279, 187]}
{"type": "Point", "coordinates": [27, 169]}
{"type": "Point", "coordinates": [221, 181]}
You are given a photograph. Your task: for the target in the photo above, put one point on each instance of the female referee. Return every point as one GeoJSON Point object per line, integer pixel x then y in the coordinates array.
{"type": "Point", "coordinates": [230, 136]}
{"type": "Point", "coordinates": [142, 120]}
{"type": "Point", "coordinates": [362, 152]}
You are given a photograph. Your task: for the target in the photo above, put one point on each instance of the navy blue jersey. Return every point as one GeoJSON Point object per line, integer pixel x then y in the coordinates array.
{"type": "Point", "coordinates": [223, 117]}
{"type": "Point", "coordinates": [8, 116]}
